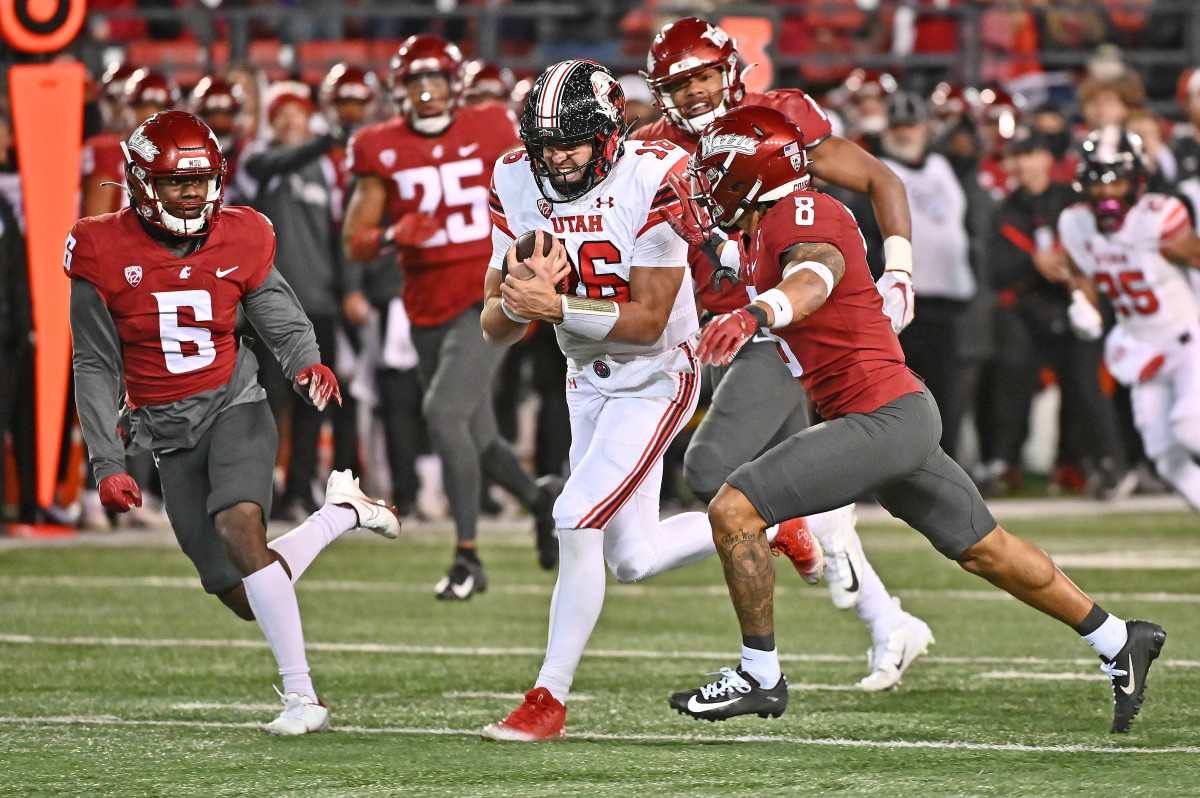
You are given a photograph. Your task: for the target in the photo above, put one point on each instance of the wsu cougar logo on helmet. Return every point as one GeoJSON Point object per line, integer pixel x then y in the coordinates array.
{"type": "Point", "coordinates": [143, 146]}
{"type": "Point", "coordinates": [727, 142]}
{"type": "Point", "coordinates": [602, 84]}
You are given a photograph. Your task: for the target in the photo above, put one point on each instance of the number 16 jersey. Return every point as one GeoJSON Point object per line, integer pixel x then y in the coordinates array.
{"type": "Point", "coordinates": [607, 232]}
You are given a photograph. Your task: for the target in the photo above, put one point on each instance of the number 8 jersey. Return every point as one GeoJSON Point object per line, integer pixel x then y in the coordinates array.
{"type": "Point", "coordinates": [607, 231]}
{"type": "Point", "coordinates": [1153, 298]}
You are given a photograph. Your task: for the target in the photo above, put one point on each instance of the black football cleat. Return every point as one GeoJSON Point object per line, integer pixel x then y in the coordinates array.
{"type": "Point", "coordinates": [735, 693]}
{"type": "Point", "coordinates": [549, 487]}
{"type": "Point", "coordinates": [1128, 671]}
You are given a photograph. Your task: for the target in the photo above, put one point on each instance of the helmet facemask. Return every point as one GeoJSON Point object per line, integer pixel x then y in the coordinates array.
{"type": "Point", "coordinates": [153, 208]}
{"type": "Point", "coordinates": [721, 101]}
{"type": "Point", "coordinates": [429, 125]}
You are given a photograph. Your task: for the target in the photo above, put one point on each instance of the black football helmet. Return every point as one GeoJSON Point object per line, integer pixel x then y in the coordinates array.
{"type": "Point", "coordinates": [1109, 154]}
{"type": "Point", "coordinates": [571, 103]}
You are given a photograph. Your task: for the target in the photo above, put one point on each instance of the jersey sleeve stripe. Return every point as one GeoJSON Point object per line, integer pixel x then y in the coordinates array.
{"type": "Point", "coordinates": [499, 221]}
{"type": "Point", "coordinates": [1018, 238]}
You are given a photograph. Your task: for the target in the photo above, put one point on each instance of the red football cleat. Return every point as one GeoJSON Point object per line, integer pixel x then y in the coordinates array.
{"type": "Point", "coordinates": [796, 541]}
{"type": "Point", "coordinates": [541, 717]}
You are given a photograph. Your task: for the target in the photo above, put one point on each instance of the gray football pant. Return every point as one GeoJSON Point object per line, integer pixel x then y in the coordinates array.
{"type": "Point", "coordinates": [756, 403]}
{"type": "Point", "coordinates": [457, 367]}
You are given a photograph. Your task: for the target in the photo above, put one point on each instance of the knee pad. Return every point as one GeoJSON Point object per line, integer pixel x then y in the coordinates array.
{"type": "Point", "coordinates": [631, 567]}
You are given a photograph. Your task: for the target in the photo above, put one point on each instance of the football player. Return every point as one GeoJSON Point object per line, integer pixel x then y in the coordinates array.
{"type": "Point", "coordinates": [1130, 244]}
{"type": "Point", "coordinates": [155, 292]}
{"type": "Point", "coordinates": [808, 264]}
{"type": "Point", "coordinates": [421, 186]}
{"type": "Point", "coordinates": [625, 325]}
{"type": "Point", "coordinates": [694, 72]}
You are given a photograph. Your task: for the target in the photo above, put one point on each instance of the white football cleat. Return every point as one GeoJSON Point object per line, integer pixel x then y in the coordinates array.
{"type": "Point", "coordinates": [301, 715]}
{"type": "Point", "coordinates": [843, 554]}
{"type": "Point", "coordinates": [889, 659]}
{"type": "Point", "coordinates": [373, 515]}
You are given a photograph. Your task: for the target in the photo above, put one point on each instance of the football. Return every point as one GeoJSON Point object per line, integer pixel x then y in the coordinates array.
{"type": "Point", "coordinates": [524, 249]}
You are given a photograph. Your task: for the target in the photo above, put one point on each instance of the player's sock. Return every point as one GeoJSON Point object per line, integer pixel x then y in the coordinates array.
{"type": "Point", "coordinates": [272, 597]}
{"type": "Point", "coordinates": [875, 606]}
{"type": "Point", "coordinates": [760, 659]}
{"type": "Point", "coordinates": [500, 463]}
{"type": "Point", "coordinates": [301, 546]}
{"type": "Point", "coordinates": [1105, 633]}
{"type": "Point", "coordinates": [574, 608]}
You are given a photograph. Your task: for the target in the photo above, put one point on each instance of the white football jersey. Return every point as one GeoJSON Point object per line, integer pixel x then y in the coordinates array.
{"type": "Point", "coordinates": [607, 231]}
{"type": "Point", "coordinates": [1152, 296]}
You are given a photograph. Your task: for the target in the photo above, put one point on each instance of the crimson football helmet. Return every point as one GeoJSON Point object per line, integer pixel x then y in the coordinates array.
{"type": "Point", "coordinates": [215, 95]}
{"type": "Point", "coordinates": [688, 47]}
{"type": "Point", "coordinates": [486, 81]}
{"type": "Point", "coordinates": [174, 144]}
{"type": "Point", "coordinates": [574, 102]}
{"type": "Point", "coordinates": [425, 54]}
{"type": "Point", "coordinates": [749, 156]}
{"type": "Point", "coordinates": [1109, 154]}
{"type": "Point", "coordinates": [348, 82]}
{"type": "Point", "coordinates": [147, 87]}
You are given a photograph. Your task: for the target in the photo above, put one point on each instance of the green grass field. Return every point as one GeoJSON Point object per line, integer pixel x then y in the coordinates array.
{"type": "Point", "coordinates": [118, 677]}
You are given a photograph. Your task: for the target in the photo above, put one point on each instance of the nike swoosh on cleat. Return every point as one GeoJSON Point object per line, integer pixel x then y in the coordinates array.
{"type": "Point", "coordinates": [1131, 688]}
{"type": "Point", "coordinates": [463, 590]}
{"type": "Point", "coordinates": [853, 577]}
{"type": "Point", "coordinates": [695, 706]}
{"type": "Point", "coordinates": [900, 660]}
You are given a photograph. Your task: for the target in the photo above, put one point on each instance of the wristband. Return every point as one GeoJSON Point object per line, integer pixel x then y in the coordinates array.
{"type": "Point", "coordinates": [819, 269]}
{"type": "Point", "coordinates": [897, 254]}
{"type": "Point", "coordinates": [511, 315]}
{"type": "Point", "coordinates": [779, 304]}
{"type": "Point", "coordinates": [759, 314]}
{"type": "Point", "coordinates": [589, 318]}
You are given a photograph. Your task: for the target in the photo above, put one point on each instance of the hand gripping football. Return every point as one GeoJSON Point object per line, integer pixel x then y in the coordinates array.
{"type": "Point", "coordinates": [523, 247]}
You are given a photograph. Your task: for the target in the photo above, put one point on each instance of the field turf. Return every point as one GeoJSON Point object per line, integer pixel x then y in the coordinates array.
{"type": "Point", "coordinates": [119, 677]}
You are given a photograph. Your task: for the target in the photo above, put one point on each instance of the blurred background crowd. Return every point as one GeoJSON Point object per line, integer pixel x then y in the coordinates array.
{"type": "Point", "coordinates": [979, 105]}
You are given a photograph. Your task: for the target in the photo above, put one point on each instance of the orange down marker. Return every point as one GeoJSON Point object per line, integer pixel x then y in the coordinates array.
{"type": "Point", "coordinates": [47, 103]}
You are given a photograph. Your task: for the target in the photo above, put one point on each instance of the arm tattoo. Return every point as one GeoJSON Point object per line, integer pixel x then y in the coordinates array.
{"type": "Point", "coordinates": [820, 252]}
{"type": "Point", "coordinates": [750, 576]}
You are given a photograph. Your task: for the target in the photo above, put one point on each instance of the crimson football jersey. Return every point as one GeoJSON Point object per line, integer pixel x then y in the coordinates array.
{"type": "Point", "coordinates": [101, 156]}
{"type": "Point", "coordinates": [794, 104]}
{"type": "Point", "coordinates": [174, 316]}
{"type": "Point", "coordinates": [447, 177]}
{"type": "Point", "coordinates": [851, 359]}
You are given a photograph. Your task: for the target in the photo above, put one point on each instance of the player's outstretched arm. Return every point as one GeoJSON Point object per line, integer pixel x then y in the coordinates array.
{"type": "Point", "coordinates": [842, 162]}
{"type": "Point", "coordinates": [1183, 249]}
{"type": "Point", "coordinates": [96, 362]}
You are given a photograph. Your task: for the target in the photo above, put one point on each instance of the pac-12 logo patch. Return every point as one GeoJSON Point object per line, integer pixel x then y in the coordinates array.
{"type": "Point", "coordinates": [601, 368]}
{"type": "Point", "coordinates": [544, 207]}
{"type": "Point", "coordinates": [133, 274]}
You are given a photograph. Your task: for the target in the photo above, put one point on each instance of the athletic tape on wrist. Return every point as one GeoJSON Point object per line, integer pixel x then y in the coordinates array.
{"type": "Point", "coordinates": [819, 269]}
{"type": "Point", "coordinates": [779, 304]}
{"type": "Point", "coordinates": [589, 318]}
{"type": "Point", "coordinates": [511, 315]}
{"type": "Point", "coordinates": [897, 254]}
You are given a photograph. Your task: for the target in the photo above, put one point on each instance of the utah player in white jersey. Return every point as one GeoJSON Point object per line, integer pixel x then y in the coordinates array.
{"type": "Point", "coordinates": [625, 324]}
{"type": "Point", "coordinates": [1136, 247]}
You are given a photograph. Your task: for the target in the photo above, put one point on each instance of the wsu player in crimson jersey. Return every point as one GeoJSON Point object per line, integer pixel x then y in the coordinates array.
{"type": "Point", "coordinates": [808, 263]}
{"type": "Point", "coordinates": [155, 292]}
{"type": "Point", "coordinates": [695, 75]}
{"type": "Point", "coordinates": [425, 176]}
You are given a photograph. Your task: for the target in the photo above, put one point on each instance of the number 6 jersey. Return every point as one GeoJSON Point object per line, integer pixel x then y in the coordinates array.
{"type": "Point", "coordinates": [1153, 298]}
{"type": "Point", "coordinates": [607, 231]}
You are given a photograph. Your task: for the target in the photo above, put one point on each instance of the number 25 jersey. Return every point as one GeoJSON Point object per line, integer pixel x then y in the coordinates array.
{"type": "Point", "coordinates": [1153, 298]}
{"type": "Point", "coordinates": [446, 177]}
{"type": "Point", "coordinates": [607, 231]}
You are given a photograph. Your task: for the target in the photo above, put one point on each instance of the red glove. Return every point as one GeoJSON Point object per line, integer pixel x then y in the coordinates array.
{"type": "Point", "coordinates": [723, 337]}
{"type": "Point", "coordinates": [412, 229]}
{"type": "Point", "coordinates": [120, 493]}
{"type": "Point", "coordinates": [321, 385]}
{"type": "Point", "coordinates": [693, 224]}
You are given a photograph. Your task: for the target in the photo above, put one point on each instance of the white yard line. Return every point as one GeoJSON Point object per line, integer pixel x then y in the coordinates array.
{"type": "Point", "coordinates": [108, 720]}
{"type": "Point", "coordinates": [498, 651]}
{"type": "Point", "coordinates": [1026, 676]}
{"type": "Point", "coordinates": [355, 586]}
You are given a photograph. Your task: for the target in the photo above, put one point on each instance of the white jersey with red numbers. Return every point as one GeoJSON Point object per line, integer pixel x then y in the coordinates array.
{"type": "Point", "coordinates": [1152, 296]}
{"type": "Point", "coordinates": [607, 232]}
